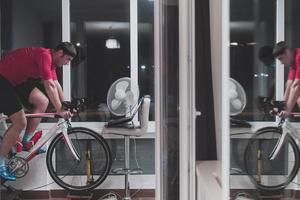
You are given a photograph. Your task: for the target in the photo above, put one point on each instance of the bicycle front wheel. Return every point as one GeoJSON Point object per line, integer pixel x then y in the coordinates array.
{"type": "Point", "coordinates": [267, 174]}
{"type": "Point", "coordinates": [87, 173]}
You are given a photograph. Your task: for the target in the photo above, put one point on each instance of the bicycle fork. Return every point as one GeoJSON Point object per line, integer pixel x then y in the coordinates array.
{"type": "Point", "coordinates": [64, 127]}
{"type": "Point", "coordinates": [278, 145]}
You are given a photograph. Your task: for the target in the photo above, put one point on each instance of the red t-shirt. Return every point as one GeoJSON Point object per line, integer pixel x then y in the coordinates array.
{"type": "Point", "coordinates": [294, 72]}
{"type": "Point", "coordinates": [24, 63]}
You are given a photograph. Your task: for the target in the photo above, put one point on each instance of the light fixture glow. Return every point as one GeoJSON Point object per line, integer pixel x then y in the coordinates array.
{"type": "Point", "coordinates": [143, 67]}
{"type": "Point", "coordinates": [112, 43]}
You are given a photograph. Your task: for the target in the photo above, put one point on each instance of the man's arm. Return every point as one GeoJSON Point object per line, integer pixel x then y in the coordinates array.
{"type": "Point", "coordinates": [288, 85]}
{"type": "Point", "coordinates": [59, 90]}
{"type": "Point", "coordinates": [53, 94]}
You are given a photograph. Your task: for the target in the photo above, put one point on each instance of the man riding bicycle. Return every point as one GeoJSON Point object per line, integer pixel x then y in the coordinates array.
{"type": "Point", "coordinates": [289, 58]}
{"type": "Point", "coordinates": [16, 70]}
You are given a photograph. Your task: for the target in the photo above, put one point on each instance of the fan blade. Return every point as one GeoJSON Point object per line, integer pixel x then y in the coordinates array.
{"type": "Point", "coordinates": [115, 104]}
{"type": "Point", "coordinates": [122, 85]}
{"type": "Point", "coordinates": [232, 94]}
{"type": "Point", "coordinates": [129, 98]}
{"type": "Point", "coordinates": [232, 85]}
{"type": "Point", "coordinates": [120, 94]}
{"type": "Point", "coordinates": [236, 103]}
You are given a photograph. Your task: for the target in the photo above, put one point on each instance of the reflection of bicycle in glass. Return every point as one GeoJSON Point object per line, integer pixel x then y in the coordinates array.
{"type": "Point", "coordinates": [271, 157]}
{"type": "Point", "coordinates": [78, 159]}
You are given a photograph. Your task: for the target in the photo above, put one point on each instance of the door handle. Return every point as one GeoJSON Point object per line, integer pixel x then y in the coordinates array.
{"type": "Point", "coordinates": [198, 113]}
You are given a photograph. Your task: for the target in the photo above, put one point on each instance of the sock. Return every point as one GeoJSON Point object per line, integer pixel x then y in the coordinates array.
{"type": "Point", "coordinates": [2, 161]}
{"type": "Point", "coordinates": [26, 138]}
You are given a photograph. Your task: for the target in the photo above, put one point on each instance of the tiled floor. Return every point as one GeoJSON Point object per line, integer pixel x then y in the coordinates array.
{"type": "Point", "coordinates": [5, 195]}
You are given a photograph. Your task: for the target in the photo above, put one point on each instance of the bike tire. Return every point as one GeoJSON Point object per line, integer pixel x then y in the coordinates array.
{"type": "Point", "coordinates": [71, 174]}
{"type": "Point", "coordinates": [266, 174]}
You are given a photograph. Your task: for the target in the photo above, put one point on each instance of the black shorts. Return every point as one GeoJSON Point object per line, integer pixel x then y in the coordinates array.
{"type": "Point", "coordinates": [9, 100]}
{"type": "Point", "coordinates": [23, 90]}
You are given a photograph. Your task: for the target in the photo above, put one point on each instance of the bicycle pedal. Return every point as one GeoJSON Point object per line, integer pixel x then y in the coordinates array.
{"type": "Point", "coordinates": [18, 147]}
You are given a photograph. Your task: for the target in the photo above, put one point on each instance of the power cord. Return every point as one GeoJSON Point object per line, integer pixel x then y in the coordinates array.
{"type": "Point", "coordinates": [110, 196]}
{"type": "Point", "coordinates": [138, 166]}
{"type": "Point", "coordinates": [137, 163]}
{"type": "Point", "coordinates": [243, 196]}
{"type": "Point", "coordinates": [116, 196]}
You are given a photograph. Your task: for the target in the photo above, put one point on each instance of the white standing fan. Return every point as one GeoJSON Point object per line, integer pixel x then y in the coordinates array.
{"type": "Point", "coordinates": [237, 97]}
{"type": "Point", "coordinates": [122, 96]}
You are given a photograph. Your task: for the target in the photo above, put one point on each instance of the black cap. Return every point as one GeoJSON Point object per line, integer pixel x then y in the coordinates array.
{"type": "Point", "coordinates": [279, 48]}
{"type": "Point", "coordinates": [67, 47]}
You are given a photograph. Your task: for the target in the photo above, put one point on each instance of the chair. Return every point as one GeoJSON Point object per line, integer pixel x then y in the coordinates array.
{"type": "Point", "coordinates": [130, 131]}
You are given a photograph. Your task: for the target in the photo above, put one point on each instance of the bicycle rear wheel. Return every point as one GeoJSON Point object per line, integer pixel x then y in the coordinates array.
{"type": "Point", "coordinates": [269, 174]}
{"type": "Point", "coordinates": [87, 173]}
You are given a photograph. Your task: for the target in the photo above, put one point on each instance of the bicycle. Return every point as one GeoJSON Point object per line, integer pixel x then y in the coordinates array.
{"type": "Point", "coordinates": [271, 157]}
{"type": "Point", "coordinates": [78, 159]}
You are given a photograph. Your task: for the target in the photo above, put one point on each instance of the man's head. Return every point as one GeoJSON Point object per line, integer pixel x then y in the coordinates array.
{"type": "Point", "coordinates": [64, 53]}
{"type": "Point", "coordinates": [266, 56]}
{"type": "Point", "coordinates": [283, 53]}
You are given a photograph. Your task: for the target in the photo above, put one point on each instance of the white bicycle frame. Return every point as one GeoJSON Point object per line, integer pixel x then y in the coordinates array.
{"type": "Point", "coordinates": [287, 129]}
{"type": "Point", "coordinates": [60, 127]}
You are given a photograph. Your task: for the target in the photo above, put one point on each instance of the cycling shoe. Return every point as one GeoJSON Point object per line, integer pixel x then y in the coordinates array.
{"type": "Point", "coordinates": [5, 174]}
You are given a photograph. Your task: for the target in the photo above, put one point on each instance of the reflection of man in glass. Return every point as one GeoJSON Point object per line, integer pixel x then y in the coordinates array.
{"type": "Point", "coordinates": [289, 58]}
{"type": "Point", "coordinates": [265, 55]}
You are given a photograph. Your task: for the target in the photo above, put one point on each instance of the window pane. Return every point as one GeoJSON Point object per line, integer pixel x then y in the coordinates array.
{"type": "Point", "coordinates": [169, 88]}
{"type": "Point", "coordinates": [252, 36]}
{"type": "Point", "coordinates": [30, 23]}
{"type": "Point", "coordinates": [146, 50]}
{"type": "Point", "coordinates": [93, 22]}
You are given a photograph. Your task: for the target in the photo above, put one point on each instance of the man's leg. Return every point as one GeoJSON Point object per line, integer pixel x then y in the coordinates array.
{"type": "Point", "coordinates": [11, 106]}
{"type": "Point", "coordinates": [18, 123]}
{"type": "Point", "coordinates": [40, 103]}
{"type": "Point", "coordinates": [298, 102]}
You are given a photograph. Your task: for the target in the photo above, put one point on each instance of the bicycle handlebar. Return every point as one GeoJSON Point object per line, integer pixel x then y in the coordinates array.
{"type": "Point", "coordinates": [272, 106]}
{"type": "Point", "coordinates": [275, 107]}
{"type": "Point", "coordinates": [73, 105]}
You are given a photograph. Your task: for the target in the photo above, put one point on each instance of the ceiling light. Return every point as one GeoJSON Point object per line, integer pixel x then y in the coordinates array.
{"type": "Point", "coordinates": [112, 43]}
{"type": "Point", "coordinates": [143, 67]}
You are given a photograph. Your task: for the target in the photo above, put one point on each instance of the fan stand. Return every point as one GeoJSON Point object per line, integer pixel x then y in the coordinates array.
{"type": "Point", "coordinates": [126, 171]}
{"type": "Point", "coordinates": [127, 133]}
